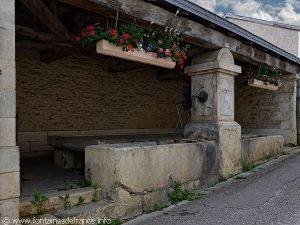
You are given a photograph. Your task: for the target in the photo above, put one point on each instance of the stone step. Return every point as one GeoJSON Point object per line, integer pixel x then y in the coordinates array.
{"type": "Point", "coordinates": [54, 202]}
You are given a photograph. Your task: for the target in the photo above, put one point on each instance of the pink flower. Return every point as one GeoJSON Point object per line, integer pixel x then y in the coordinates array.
{"type": "Point", "coordinates": [92, 33]}
{"type": "Point", "coordinates": [126, 36]}
{"type": "Point", "coordinates": [154, 54]}
{"type": "Point", "coordinates": [161, 50]}
{"type": "Point", "coordinates": [77, 38]}
{"type": "Point", "coordinates": [167, 52]}
{"type": "Point", "coordinates": [83, 34]}
{"type": "Point", "coordinates": [121, 41]}
{"type": "Point", "coordinates": [90, 28]}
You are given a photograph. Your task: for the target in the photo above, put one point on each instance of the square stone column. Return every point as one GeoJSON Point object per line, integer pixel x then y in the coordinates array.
{"type": "Point", "coordinates": [213, 113]}
{"type": "Point", "coordinates": [9, 153]}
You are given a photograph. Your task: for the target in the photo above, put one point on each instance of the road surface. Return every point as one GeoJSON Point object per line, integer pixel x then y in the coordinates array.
{"type": "Point", "coordinates": [270, 196]}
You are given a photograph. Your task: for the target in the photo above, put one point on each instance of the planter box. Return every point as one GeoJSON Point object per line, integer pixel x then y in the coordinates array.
{"type": "Point", "coordinates": [105, 48]}
{"type": "Point", "coordinates": [261, 84]}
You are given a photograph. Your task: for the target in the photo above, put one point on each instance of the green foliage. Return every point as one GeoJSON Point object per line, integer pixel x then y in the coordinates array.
{"type": "Point", "coordinates": [159, 206]}
{"type": "Point", "coordinates": [80, 200]}
{"type": "Point", "coordinates": [222, 178]}
{"type": "Point", "coordinates": [130, 37]}
{"type": "Point", "coordinates": [87, 182]}
{"type": "Point", "coordinates": [39, 199]}
{"type": "Point", "coordinates": [178, 194]}
{"type": "Point", "coordinates": [248, 167]}
{"type": "Point", "coordinates": [240, 177]}
{"type": "Point", "coordinates": [268, 76]}
{"type": "Point", "coordinates": [96, 193]}
{"type": "Point", "coordinates": [66, 201]}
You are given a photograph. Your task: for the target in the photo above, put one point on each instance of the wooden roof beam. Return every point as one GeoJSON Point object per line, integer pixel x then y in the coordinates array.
{"type": "Point", "coordinates": [40, 10]}
{"type": "Point", "coordinates": [29, 32]}
{"type": "Point", "coordinates": [141, 10]}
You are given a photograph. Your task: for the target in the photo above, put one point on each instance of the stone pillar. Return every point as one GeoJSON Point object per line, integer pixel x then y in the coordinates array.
{"type": "Point", "coordinates": [213, 72]}
{"type": "Point", "coordinates": [9, 153]}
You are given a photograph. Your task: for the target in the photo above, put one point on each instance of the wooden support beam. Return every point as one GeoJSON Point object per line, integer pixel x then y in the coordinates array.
{"type": "Point", "coordinates": [29, 32]}
{"type": "Point", "coordinates": [194, 31]}
{"type": "Point", "coordinates": [40, 10]}
{"type": "Point", "coordinates": [27, 44]}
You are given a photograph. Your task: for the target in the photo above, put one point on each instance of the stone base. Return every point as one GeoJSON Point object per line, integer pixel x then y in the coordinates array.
{"type": "Point", "coordinates": [259, 148]}
{"type": "Point", "coordinates": [227, 136]}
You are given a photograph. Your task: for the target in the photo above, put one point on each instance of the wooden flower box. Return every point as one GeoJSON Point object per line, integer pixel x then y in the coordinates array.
{"type": "Point", "coordinates": [105, 48]}
{"type": "Point", "coordinates": [262, 84]}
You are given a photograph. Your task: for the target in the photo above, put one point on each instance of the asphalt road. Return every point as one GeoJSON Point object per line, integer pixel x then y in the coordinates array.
{"type": "Point", "coordinates": [270, 196]}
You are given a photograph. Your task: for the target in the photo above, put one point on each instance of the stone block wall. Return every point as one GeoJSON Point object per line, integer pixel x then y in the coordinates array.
{"type": "Point", "coordinates": [77, 94]}
{"type": "Point", "coordinates": [9, 153]}
{"type": "Point", "coordinates": [267, 112]}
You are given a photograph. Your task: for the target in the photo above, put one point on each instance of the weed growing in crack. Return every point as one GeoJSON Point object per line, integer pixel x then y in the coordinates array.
{"type": "Point", "coordinates": [178, 194]}
{"type": "Point", "coordinates": [87, 182]}
{"type": "Point", "coordinates": [39, 199]}
{"type": "Point", "coordinates": [66, 201]}
{"type": "Point", "coordinates": [248, 167]}
{"type": "Point", "coordinates": [159, 206]}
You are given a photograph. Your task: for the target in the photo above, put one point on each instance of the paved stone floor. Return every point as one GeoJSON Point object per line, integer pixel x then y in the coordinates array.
{"type": "Point", "coordinates": [40, 174]}
{"type": "Point", "coordinates": [270, 196]}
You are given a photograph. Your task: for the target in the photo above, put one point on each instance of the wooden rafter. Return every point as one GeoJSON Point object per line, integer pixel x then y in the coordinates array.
{"type": "Point", "coordinates": [29, 32]}
{"type": "Point", "coordinates": [40, 10]}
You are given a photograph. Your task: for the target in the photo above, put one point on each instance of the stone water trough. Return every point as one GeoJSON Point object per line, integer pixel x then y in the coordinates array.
{"type": "Point", "coordinates": [148, 169]}
{"type": "Point", "coordinates": [256, 148]}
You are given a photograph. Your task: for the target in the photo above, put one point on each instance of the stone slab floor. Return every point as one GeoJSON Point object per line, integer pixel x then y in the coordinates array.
{"type": "Point", "coordinates": [270, 196]}
{"type": "Point", "coordinates": [40, 174]}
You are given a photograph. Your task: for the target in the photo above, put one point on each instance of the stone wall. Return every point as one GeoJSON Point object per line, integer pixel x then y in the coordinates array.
{"type": "Point", "coordinates": [76, 94]}
{"type": "Point", "coordinates": [9, 153]}
{"type": "Point", "coordinates": [267, 112]}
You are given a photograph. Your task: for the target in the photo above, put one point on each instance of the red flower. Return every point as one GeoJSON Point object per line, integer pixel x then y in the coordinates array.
{"type": "Point", "coordinates": [92, 33]}
{"type": "Point", "coordinates": [83, 34]}
{"type": "Point", "coordinates": [127, 36]}
{"type": "Point", "coordinates": [185, 56]}
{"type": "Point", "coordinates": [90, 28]}
{"type": "Point", "coordinates": [121, 41]}
{"type": "Point", "coordinates": [177, 54]}
{"type": "Point", "coordinates": [114, 33]}
{"type": "Point", "coordinates": [130, 47]}
{"type": "Point", "coordinates": [77, 38]}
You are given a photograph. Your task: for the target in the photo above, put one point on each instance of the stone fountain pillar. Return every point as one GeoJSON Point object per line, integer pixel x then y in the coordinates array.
{"type": "Point", "coordinates": [212, 115]}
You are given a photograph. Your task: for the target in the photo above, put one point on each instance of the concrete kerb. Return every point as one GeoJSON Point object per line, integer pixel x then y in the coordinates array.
{"type": "Point", "coordinates": [260, 165]}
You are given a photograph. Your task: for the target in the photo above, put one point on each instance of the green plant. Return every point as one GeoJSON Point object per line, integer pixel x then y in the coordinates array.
{"type": "Point", "coordinates": [39, 199]}
{"type": "Point", "coordinates": [159, 206]}
{"type": "Point", "coordinates": [66, 201]}
{"type": "Point", "coordinates": [80, 200]}
{"type": "Point", "coordinates": [267, 76]}
{"type": "Point", "coordinates": [240, 177]}
{"type": "Point", "coordinates": [248, 167]}
{"type": "Point", "coordinates": [87, 182]}
{"type": "Point", "coordinates": [222, 178]}
{"type": "Point", "coordinates": [178, 194]}
{"type": "Point", "coordinates": [95, 196]}
{"type": "Point", "coordinates": [129, 37]}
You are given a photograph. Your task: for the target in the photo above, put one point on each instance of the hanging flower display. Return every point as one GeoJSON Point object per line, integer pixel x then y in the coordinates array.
{"type": "Point", "coordinates": [132, 38]}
